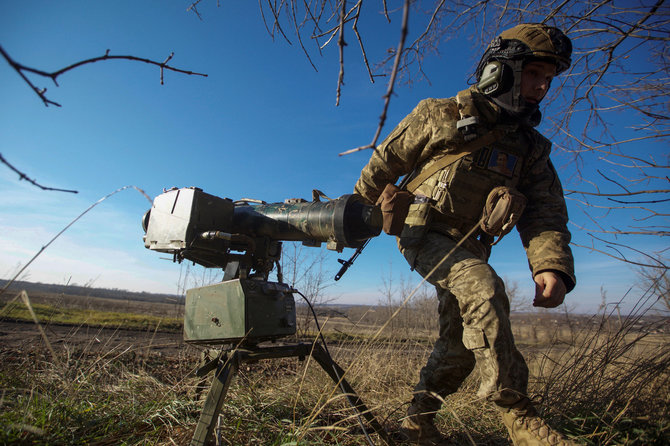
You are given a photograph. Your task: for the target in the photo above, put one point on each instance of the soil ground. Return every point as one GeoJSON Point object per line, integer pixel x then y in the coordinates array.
{"type": "Point", "coordinates": [26, 336]}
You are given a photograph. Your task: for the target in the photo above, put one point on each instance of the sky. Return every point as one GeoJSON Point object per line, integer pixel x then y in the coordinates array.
{"type": "Point", "coordinates": [263, 124]}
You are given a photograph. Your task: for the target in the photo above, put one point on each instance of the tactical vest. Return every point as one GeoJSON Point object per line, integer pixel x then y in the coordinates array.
{"type": "Point", "coordinates": [457, 193]}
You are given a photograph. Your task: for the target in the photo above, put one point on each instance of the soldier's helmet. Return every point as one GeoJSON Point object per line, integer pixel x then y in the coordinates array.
{"type": "Point", "coordinates": [499, 71]}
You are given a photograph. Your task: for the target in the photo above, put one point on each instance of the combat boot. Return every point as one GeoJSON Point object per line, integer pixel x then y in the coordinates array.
{"type": "Point", "coordinates": [419, 429]}
{"type": "Point", "coordinates": [526, 428]}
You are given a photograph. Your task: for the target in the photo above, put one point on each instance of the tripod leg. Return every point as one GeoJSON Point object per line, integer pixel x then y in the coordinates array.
{"type": "Point", "coordinates": [217, 393]}
{"type": "Point", "coordinates": [336, 373]}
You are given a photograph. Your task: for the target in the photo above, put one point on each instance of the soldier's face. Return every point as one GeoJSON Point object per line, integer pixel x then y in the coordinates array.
{"type": "Point", "coordinates": [536, 79]}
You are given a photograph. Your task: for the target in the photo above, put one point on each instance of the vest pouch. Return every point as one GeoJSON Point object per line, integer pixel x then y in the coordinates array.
{"type": "Point", "coordinates": [416, 226]}
{"type": "Point", "coordinates": [416, 223]}
{"type": "Point", "coordinates": [502, 211]}
{"type": "Point", "coordinates": [461, 190]}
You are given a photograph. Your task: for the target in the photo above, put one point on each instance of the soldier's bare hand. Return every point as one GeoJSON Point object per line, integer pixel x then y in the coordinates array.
{"type": "Point", "coordinates": [549, 290]}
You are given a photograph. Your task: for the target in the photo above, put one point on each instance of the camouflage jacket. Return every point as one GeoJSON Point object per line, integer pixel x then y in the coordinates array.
{"type": "Point", "coordinates": [457, 193]}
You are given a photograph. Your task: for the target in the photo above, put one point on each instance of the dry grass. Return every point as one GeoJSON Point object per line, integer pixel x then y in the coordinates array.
{"type": "Point", "coordinates": [611, 384]}
{"type": "Point", "coordinates": [92, 318]}
{"type": "Point", "coordinates": [603, 381]}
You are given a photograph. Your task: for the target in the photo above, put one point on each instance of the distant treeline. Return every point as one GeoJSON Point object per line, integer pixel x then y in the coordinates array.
{"type": "Point", "coordinates": [76, 290]}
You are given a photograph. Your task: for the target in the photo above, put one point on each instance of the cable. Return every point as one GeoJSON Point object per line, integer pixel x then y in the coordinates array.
{"type": "Point", "coordinates": [325, 348]}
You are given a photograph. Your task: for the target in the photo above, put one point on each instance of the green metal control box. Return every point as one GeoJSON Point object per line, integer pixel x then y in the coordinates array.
{"type": "Point", "coordinates": [239, 309]}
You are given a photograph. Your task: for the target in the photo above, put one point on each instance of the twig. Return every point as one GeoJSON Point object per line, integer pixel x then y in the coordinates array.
{"type": "Point", "coordinates": [276, 24]}
{"type": "Point", "coordinates": [556, 10]}
{"type": "Point", "coordinates": [20, 69]}
{"type": "Point", "coordinates": [658, 264]}
{"type": "Point", "coordinates": [341, 44]}
{"type": "Point", "coordinates": [627, 194]}
{"type": "Point", "coordinates": [297, 31]}
{"type": "Point", "coordinates": [23, 176]}
{"type": "Point", "coordinates": [612, 181]}
{"type": "Point", "coordinates": [389, 90]}
{"type": "Point", "coordinates": [194, 8]}
{"type": "Point", "coordinates": [640, 201]}
{"type": "Point", "coordinates": [360, 43]}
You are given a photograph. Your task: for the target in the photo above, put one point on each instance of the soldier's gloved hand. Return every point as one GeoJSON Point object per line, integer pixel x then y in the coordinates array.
{"type": "Point", "coordinates": [549, 290]}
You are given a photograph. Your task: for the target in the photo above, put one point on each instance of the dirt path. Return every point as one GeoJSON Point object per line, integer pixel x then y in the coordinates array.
{"type": "Point", "coordinates": [26, 336]}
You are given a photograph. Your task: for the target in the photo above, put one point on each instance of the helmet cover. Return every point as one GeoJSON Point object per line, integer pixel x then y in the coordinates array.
{"type": "Point", "coordinates": [541, 42]}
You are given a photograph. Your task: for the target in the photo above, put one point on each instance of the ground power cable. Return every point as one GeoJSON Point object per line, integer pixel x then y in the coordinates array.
{"type": "Point", "coordinates": [340, 378]}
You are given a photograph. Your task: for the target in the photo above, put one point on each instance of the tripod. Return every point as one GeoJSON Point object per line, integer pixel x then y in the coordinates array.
{"type": "Point", "coordinates": [227, 365]}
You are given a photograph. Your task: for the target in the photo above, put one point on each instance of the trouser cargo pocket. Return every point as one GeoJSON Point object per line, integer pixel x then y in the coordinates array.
{"type": "Point", "coordinates": [474, 338]}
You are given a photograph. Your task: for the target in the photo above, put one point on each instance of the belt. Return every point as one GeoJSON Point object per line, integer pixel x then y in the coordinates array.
{"type": "Point", "coordinates": [478, 243]}
{"type": "Point", "coordinates": [440, 220]}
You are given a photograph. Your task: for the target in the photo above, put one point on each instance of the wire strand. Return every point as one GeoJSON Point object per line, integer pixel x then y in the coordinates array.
{"type": "Point", "coordinates": [340, 378]}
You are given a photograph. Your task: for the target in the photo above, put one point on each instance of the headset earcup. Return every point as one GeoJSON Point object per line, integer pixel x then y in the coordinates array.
{"type": "Point", "coordinates": [496, 78]}
{"type": "Point", "coordinates": [489, 81]}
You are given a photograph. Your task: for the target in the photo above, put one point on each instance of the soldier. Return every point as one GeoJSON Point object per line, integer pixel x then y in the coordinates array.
{"type": "Point", "coordinates": [488, 131]}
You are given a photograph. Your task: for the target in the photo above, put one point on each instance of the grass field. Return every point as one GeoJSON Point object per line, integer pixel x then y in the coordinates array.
{"type": "Point", "coordinates": [51, 314]}
{"type": "Point", "coordinates": [602, 380]}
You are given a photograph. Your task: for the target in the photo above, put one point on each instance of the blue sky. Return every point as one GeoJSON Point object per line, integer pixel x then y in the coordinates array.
{"type": "Point", "coordinates": [263, 124]}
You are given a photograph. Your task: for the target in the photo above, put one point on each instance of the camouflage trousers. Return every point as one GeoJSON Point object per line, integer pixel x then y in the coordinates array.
{"type": "Point", "coordinates": [474, 326]}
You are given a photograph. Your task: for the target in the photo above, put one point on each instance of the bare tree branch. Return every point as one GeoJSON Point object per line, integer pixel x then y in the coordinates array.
{"type": "Point", "coordinates": [23, 176]}
{"type": "Point", "coordinates": [602, 194]}
{"type": "Point", "coordinates": [340, 46]}
{"type": "Point", "coordinates": [652, 264]}
{"type": "Point", "coordinates": [389, 90]}
{"type": "Point", "coordinates": [20, 69]}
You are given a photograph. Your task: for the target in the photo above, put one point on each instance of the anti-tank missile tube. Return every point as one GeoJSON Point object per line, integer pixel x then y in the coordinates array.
{"type": "Point", "coordinates": [348, 221]}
